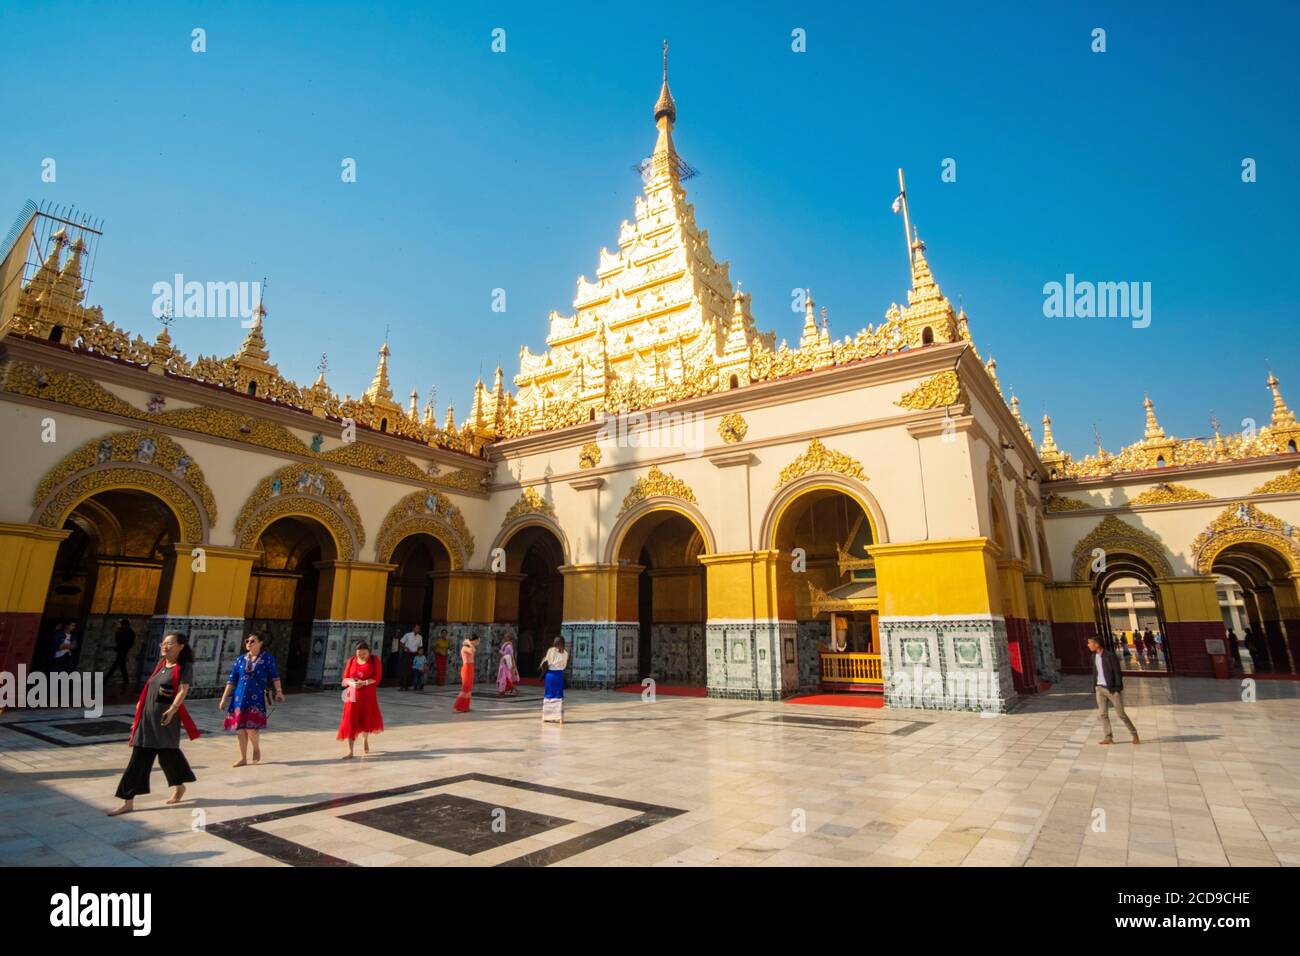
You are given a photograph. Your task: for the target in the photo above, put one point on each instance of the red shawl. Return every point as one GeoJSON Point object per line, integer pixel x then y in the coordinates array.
{"type": "Point", "coordinates": [186, 721]}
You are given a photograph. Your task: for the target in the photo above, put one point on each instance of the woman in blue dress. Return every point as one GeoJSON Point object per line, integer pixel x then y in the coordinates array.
{"type": "Point", "coordinates": [245, 697]}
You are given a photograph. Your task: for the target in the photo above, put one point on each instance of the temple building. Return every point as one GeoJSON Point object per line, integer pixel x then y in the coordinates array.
{"type": "Point", "coordinates": [666, 486]}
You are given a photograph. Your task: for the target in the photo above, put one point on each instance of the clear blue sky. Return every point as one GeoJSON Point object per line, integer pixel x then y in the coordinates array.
{"type": "Point", "coordinates": [479, 170]}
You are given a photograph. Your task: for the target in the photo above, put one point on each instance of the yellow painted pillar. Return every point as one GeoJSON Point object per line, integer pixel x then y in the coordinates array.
{"type": "Point", "coordinates": [206, 581]}
{"type": "Point", "coordinates": [1074, 620]}
{"type": "Point", "coordinates": [1192, 616]}
{"type": "Point", "coordinates": [27, 554]}
{"type": "Point", "coordinates": [600, 624]}
{"type": "Point", "coordinates": [350, 600]}
{"type": "Point", "coordinates": [751, 650]}
{"type": "Point", "coordinates": [943, 635]}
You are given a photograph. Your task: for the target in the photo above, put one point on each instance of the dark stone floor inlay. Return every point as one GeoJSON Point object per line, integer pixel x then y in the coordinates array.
{"type": "Point", "coordinates": [246, 831]}
{"type": "Point", "coordinates": [456, 823]}
{"type": "Point", "coordinates": [95, 728]}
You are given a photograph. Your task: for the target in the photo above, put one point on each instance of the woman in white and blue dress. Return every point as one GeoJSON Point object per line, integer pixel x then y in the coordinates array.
{"type": "Point", "coordinates": [557, 659]}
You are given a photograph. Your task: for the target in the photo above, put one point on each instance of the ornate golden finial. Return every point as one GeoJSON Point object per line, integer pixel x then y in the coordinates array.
{"type": "Point", "coordinates": [991, 366]}
{"type": "Point", "coordinates": [1281, 414]}
{"type": "Point", "coordinates": [413, 413]}
{"type": "Point", "coordinates": [450, 423]}
{"type": "Point", "coordinates": [1154, 431]}
{"type": "Point", "coordinates": [665, 106]}
{"type": "Point", "coordinates": [1220, 450]}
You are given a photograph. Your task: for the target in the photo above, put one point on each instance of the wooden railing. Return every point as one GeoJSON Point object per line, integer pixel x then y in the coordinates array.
{"type": "Point", "coordinates": [851, 669]}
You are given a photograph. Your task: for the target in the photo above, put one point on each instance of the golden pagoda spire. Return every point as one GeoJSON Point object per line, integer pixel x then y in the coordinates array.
{"type": "Point", "coordinates": [413, 413]}
{"type": "Point", "coordinates": [1154, 431]}
{"type": "Point", "coordinates": [1015, 413]}
{"type": "Point", "coordinates": [991, 366]}
{"type": "Point", "coordinates": [1048, 447]}
{"type": "Point", "coordinates": [254, 345]}
{"type": "Point", "coordinates": [1282, 415]}
{"type": "Point", "coordinates": [450, 423]}
{"type": "Point", "coordinates": [379, 391]}
{"type": "Point", "coordinates": [809, 338]}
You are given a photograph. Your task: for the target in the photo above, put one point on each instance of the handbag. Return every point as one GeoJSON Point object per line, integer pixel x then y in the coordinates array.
{"type": "Point", "coordinates": [541, 671]}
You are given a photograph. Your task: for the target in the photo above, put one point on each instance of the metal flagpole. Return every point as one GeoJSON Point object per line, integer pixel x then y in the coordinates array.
{"type": "Point", "coordinates": [907, 224]}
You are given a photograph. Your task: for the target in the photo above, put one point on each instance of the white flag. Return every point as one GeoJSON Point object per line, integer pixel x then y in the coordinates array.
{"type": "Point", "coordinates": [898, 203]}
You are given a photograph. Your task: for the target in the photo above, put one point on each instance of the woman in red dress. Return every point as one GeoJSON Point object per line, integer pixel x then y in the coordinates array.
{"type": "Point", "coordinates": [466, 674]}
{"type": "Point", "coordinates": [361, 716]}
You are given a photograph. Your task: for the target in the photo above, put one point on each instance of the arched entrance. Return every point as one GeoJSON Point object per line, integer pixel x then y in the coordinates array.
{"type": "Point", "coordinates": [665, 545]}
{"type": "Point", "coordinates": [534, 556]}
{"type": "Point", "coordinates": [826, 584]}
{"type": "Point", "coordinates": [1267, 627]}
{"type": "Point", "coordinates": [1126, 603]}
{"type": "Point", "coordinates": [284, 590]}
{"type": "Point", "coordinates": [110, 567]}
{"type": "Point", "coordinates": [417, 594]}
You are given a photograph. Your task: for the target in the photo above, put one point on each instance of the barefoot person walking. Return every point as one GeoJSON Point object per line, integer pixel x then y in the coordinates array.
{"type": "Point", "coordinates": [156, 733]}
{"type": "Point", "coordinates": [557, 659]}
{"type": "Point", "coordinates": [466, 675]}
{"type": "Point", "coordinates": [361, 716]}
{"type": "Point", "coordinates": [246, 708]}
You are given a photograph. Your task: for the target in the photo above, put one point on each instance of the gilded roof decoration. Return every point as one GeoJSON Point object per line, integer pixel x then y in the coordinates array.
{"type": "Point", "coordinates": [1166, 493]}
{"type": "Point", "coordinates": [426, 512]}
{"type": "Point", "coordinates": [1054, 503]}
{"type": "Point", "coordinates": [819, 458]}
{"type": "Point", "coordinates": [1114, 536]}
{"type": "Point", "coordinates": [589, 455]}
{"type": "Point", "coordinates": [654, 485]}
{"type": "Point", "coordinates": [938, 391]}
{"type": "Point", "coordinates": [68, 388]}
{"type": "Point", "coordinates": [1243, 523]}
{"type": "Point", "coordinates": [733, 428]}
{"type": "Point", "coordinates": [530, 502]}
{"type": "Point", "coordinates": [1288, 483]}
{"type": "Point", "coordinates": [1157, 449]}
{"type": "Point", "coordinates": [307, 489]}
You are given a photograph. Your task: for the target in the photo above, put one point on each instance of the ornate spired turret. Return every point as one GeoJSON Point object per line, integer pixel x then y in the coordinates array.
{"type": "Point", "coordinates": [54, 298]}
{"type": "Point", "coordinates": [1153, 429]}
{"type": "Point", "coordinates": [1157, 448]}
{"type": "Point", "coordinates": [809, 338]}
{"type": "Point", "coordinates": [929, 316]}
{"type": "Point", "coordinates": [1015, 413]}
{"type": "Point", "coordinates": [384, 410]}
{"type": "Point", "coordinates": [254, 371]}
{"type": "Point", "coordinates": [1283, 426]}
{"type": "Point", "coordinates": [413, 412]}
{"type": "Point", "coordinates": [1053, 458]}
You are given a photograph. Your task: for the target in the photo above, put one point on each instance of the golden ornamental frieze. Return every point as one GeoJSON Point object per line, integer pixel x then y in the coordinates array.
{"type": "Point", "coordinates": [464, 479]}
{"type": "Point", "coordinates": [993, 473]}
{"type": "Point", "coordinates": [1282, 484]}
{"type": "Point", "coordinates": [130, 450]}
{"type": "Point", "coordinates": [530, 502]}
{"type": "Point", "coordinates": [733, 428]}
{"type": "Point", "coordinates": [426, 512]}
{"type": "Point", "coordinates": [657, 484]}
{"type": "Point", "coordinates": [589, 455]}
{"type": "Point", "coordinates": [1055, 504]}
{"type": "Point", "coordinates": [1243, 523]}
{"type": "Point", "coordinates": [820, 459]}
{"type": "Point", "coordinates": [939, 391]}
{"type": "Point", "coordinates": [1116, 537]}
{"type": "Point", "coordinates": [302, 486]}
{"type": "Point", "coordinates": [53, 511]}
{"type": "Point", "coordinates": [366, 457]}
{"type": "Point", "coordinates": [1166, 493]}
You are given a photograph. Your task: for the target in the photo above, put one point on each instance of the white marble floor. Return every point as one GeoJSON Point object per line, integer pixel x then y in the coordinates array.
{"type": "Point", "coordinates": [685, 781]}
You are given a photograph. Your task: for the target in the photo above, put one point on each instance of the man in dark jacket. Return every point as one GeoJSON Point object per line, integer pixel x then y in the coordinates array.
{"type": "Point", "coordinates": [1110, 689]}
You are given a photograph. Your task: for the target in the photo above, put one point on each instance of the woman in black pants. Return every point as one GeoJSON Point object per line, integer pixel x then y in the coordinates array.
{"type": "Point", "coordinates": [159, 716]}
